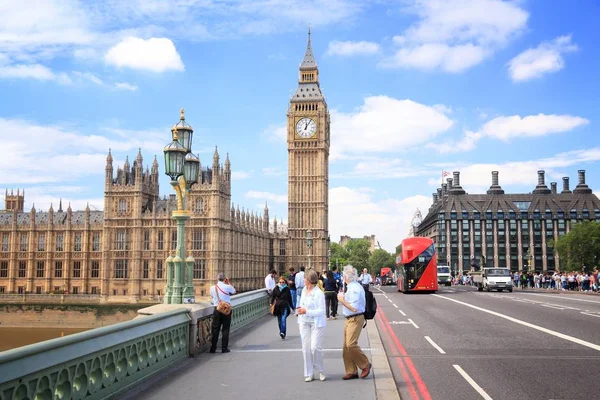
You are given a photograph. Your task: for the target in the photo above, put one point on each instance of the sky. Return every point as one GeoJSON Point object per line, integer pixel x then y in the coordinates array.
{"type": "Point", "coordinates": [414, 87]}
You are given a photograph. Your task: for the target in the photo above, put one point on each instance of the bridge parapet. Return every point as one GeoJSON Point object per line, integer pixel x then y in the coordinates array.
{"type": "Point", "coordinates": [103, 362]}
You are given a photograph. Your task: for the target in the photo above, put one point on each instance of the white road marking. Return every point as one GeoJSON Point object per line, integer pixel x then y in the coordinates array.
{"type": "Point", "coordinates": [563, 297]}
{"type": "Point", "coordinates": [593, 315]}
{"type": "Point", "coordinates": [527, 324]}
{"type": "Point", "coordinates": [371, 349]}
{"type": "Point", "coordinates": [413, 322]}
{"type": "Point", "coordinates": [551, 306]}
{"type": "Point", "coordinates": [434, 344]}
{"type": "Point", "coordinates": [399, 322]}
{"type": "Point", "coordinates": [402, 312]}
{"type": "Point", "coordinates": [394, 304]}
{"type": "Point", "coordinates": [391, 301]}
{"type": "Point", "coordinates": [472, 382]}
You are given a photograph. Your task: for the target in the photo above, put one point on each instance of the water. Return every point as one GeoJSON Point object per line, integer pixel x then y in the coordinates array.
{"type": "Point", "coordinates": [17, 337]}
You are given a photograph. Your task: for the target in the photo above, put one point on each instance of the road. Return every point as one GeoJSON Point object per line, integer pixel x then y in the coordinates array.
{"type": "Point", "coordinates": [463, 344]}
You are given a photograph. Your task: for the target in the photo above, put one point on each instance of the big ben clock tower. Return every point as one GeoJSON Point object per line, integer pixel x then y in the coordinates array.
{"type": "Point", "coordinates": [308, 170]}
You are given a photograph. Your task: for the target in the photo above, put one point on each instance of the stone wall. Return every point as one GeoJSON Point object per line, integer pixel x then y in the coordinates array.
{"type": "Point", "coordinates": [85, 316]}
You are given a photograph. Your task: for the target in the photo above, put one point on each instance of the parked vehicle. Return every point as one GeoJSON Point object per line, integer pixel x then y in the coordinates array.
{"type": "Point", "coordinates": [492, 279]}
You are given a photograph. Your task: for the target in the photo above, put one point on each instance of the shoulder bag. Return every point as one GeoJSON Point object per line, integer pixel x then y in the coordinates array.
{"type": "Point", "coordinates": [223, 307]}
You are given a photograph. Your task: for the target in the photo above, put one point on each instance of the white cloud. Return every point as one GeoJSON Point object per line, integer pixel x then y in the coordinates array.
{"type": "Point", "coordinates": [275, 133]}
{"type": "Point", "coordinates": [266, 196]}
{"type": "Point", "coordinates": [21, 71]}
{"type": "Point", "coordinates": [350, 48]}
{"type": "Point", "coordinates": [125, 86]}
{"type": "Point", "coordinates": [268, 171]}
{"type": "Point", "coordinates": [455, 35]}
{"type": "Point", "coordinates": [393, 167]}
{"type": "Point", "coordinates": [511, 127]}
{"type": "Point", "coordinates": [546, 58]}
{"type": "Point", "coordinates": [240, 175]}
{"type": "Point", "coordinates": [384, 124]}
{"type": "Point", "coordinates": [354, 212]}
{"type": "Point", "coordinates": [154, 54]}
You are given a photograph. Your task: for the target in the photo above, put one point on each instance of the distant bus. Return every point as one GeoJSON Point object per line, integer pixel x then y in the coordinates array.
{"type": "Point", "coordinates": [417, 266]}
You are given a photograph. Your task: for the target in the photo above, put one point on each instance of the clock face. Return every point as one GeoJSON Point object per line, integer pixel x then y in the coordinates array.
{"type": "Point", "coordinates": [306, 128]}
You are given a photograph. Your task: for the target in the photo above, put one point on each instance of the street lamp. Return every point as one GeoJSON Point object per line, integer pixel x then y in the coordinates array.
{"type": "Point", "coordinates": [529, 259]}
{"type": "Point", "coordinates": [309, 243]}
{"type": "Point", "coordinates": [183, 168]}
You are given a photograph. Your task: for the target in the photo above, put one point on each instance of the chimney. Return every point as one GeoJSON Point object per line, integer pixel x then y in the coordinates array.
{"type": "Point", "coordinates": [444, 189]}
{"type": "Point", "coordinates": [541, 186]}
{"type": "Point", "coordinates": [456, 189]}
{"type": "Point", "coordinates": [581, 186]}
{"type": "Point", "coordinates": [553, 187]}
{"type": "Point", "coordinates": [449, 180]}
{"type": "Point", "coordinates": [495, 188]}
{"type": "Point", "coordinates": [434, 197]}
{"type": "Point", "coordinates": [566, 185]}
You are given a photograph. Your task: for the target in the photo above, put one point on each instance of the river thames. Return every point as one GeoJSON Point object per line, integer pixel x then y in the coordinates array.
{"type": "Point", "coordinates": [17, 337]}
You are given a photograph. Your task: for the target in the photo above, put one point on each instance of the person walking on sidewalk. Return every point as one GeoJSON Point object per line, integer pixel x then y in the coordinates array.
{"type": "Point", "coordinates": [311, 320]}
{"type": "Point", "coordinates": [331, 288]}
{"type": "Point", "coordinates": [354, 306]}
{"type": "Point", "coordinates": [270, 282]}
{"type": "Point", "coordinates": [283, 304]}
{"type": "Point", "coordinates": [299, 280]}
{"type": "Point", "coordinates": [225, 290]}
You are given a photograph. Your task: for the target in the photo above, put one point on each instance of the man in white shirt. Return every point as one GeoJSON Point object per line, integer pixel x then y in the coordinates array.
{"type": "Point", "coordinates": [221, 291]}
{"type": "Point", "coordinates": [365, 279]}
{"type": "Point", "coordinates": [299, 281]}
{"type": "Point", "coordinates": [270, 281]}
{"type": "Point", "coordinates": [354, 303]}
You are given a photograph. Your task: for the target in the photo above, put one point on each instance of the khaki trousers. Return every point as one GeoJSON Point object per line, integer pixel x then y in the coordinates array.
{"type": "Point", "coordinates": [351, 352]}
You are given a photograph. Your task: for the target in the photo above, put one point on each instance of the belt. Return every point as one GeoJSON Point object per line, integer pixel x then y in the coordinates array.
{"type": "Point", "coordinates": [351, 316]}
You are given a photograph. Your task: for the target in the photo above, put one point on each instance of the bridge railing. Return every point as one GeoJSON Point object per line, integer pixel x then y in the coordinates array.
{"type": "Point", "coordinates": [103, 362]}
{"type": "Point", "coordinates": [49, 298]}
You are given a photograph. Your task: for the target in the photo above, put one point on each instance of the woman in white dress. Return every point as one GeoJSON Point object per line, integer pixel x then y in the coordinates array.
{"type": "Point", "coordinates": [311, 311]}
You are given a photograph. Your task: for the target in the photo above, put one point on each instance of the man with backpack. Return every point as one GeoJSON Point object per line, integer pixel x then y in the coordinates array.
{"type": "Point", "coordinates": [354, 305]}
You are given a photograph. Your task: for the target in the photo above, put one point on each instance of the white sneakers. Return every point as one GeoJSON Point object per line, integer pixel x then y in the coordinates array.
{"type": "Point", "coordinates": [322, 377]}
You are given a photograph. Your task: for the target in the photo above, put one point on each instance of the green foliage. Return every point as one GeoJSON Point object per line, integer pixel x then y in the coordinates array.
{"type": "Point", "coordinates": [581, 246]}
{"type": "Point", "coordinates": [358, 253]}
{"type": "Point", "coordinates": [339, 255]}
{"type": "Point", "coordinates": [399, 249]}
{"type": "Point", "coordinates": [381, 259]}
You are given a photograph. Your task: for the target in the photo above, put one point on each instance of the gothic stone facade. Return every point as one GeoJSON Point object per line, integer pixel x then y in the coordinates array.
{"type": "Point", "coordinates": [506, 230]}
{"type": "Point", "coordinates": [119, 253]}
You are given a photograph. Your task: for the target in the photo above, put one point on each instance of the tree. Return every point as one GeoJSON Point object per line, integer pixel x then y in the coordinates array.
{"type": "Point", "coordinates": [579, 247]}
{"type": "Point", "coordinates": [339, 255]}
{"type": "Point", "coordinates": [358, 253]}
{"type": "Point", "coordinates": [399, 249]}
{"type": "Point", "coordinates": [380, 259]}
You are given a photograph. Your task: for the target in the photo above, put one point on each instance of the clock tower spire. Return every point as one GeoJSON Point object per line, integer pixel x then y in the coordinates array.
{"type": "Point", "coordinates": [308, 174]}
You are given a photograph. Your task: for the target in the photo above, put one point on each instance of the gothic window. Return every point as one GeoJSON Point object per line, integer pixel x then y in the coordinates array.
{"type": "Point", "coordinates": [121, 270]}
{"type": "Point", "coordinates": [42, 242]}
{"type": "Point", "coordinates": [174, 239]}
{"type": "Point", "coordinates": [5, 242]}
{"type": "Point", "coordinates": [161, 240]}
{"type": "Point", "coordinates": [59, 242]}
{"type": "Point", "coordinates": [147, 239]}
{"type": "Point", "coordinates": [58, 269]}
{"type": "Point", "coordinates": [39, 273]}
{"type": "Point", "coordinates": [95, 290]}
{"type": "Point", "coordinates": [22, 269]}
{"type": "Point", "coordinates": [75, 290]}
{"type": "Point", "coordinates": [200, 269]}
{"type": "Point", "coordinates": [77, 242]}
{"type": "Point", "coordinates": [199, 206]}
{"type": "Point", "coordinates": [95, 269]}
{"type": "Point", "coordinates": [122, 243]}
{"type": "Point", "coordinates": [96, 242]}
{"type": "Point", "coordinates": [198, 240]}
{"type": "Point", "coordinates": [159, 269]}
{"type": "Point", "coordinates": [76, 269]}
{"type": "Point", "coordinates": [282, 247]}
{"type": "Point", "coordinates": [4, 269]}
{"type": "Point", "coordinates": [23, 242]}
{"type": "Point", "coordinates": [123, 205]}
{"type": "Point", "coordinates": [146, 269]}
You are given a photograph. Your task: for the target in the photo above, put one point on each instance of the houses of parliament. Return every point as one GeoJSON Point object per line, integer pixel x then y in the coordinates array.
{"type": "Point", "coordinates": [119, 254]}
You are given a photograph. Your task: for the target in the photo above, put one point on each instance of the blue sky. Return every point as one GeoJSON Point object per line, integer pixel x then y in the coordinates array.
{"type": "Point", "coordinates": [414, 87]}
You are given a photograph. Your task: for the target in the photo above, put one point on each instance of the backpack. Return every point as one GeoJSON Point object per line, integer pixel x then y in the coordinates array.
{"type": "Point", "coordinates": [370, 306]}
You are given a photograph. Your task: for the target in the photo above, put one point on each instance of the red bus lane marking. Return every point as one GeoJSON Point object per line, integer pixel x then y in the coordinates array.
{"type": "Point", "coordinates": [413, 370]}
{"type": "Point", "coordinates": [403, 371]}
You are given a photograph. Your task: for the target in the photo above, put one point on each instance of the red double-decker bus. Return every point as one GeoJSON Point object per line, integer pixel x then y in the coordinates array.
{"type": "Point", "coordinates": [417, 266]}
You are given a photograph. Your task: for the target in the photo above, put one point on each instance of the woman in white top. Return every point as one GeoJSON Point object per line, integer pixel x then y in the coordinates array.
{"type": "Point", "coordinates": [311, 311]}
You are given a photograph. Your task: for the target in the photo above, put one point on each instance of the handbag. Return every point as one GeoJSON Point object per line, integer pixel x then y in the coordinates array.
{"type": "Point", "coordinates": [222, 306]}
{"type": "Point", "coordinates": [272, 309]}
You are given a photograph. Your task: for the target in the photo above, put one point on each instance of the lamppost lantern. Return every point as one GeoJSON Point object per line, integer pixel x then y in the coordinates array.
{"type": "Point", "coordinates": [184, 169]}
{"type": "Point", "coordinates": [174, 159]}
{"type": "Point", "coordinates": [191, 169]}
{"type": "Point", "coordinates": [309, 238]}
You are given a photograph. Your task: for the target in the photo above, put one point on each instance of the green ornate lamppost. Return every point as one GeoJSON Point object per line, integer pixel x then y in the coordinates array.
{"type": "Point", "coordinates": [309, 243]}
{"type": "Point", "coordinates": [183, 168]}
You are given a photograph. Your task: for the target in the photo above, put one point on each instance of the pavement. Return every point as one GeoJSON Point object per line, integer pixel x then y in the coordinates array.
{"type": "Point", "coordinates": [263, 366]}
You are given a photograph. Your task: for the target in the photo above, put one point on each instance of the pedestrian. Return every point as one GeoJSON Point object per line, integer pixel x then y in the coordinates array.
{"type": "Point", "coordinates": [221, 292]}
{"type": "Point", "coordinates": [331, 288]}
{"type": "Point", "coordinates": [365, 279]}
{"type": "Point", "coordinates": [282, 299]}
{"type": "Point", "coordinates": [291, 282]}
{"type": "Point", "coordinates": [354, 303]}
{"type": "Point", "coordinates": [311, 320]}
{"type": "Point", "coordinates": [299, 280]}
{"type": "Point", "coordinates": [270, 281]}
